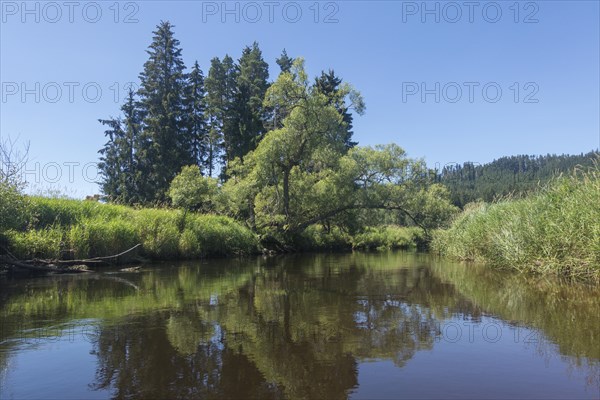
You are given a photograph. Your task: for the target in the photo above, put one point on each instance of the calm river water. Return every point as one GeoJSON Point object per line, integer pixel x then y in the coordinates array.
{"type": "Point", "coordinates": [329, 326]}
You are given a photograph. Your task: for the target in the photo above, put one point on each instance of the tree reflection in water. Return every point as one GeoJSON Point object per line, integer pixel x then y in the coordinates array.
{"type": "Point", "coordinates": [290, 327]}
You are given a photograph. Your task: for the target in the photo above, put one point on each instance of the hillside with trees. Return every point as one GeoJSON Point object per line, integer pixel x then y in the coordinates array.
{"type": "Point", "coordinates": [513, 176]}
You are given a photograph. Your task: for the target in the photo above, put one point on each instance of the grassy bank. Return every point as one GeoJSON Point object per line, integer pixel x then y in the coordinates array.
{"type": "Point", "coordinates": [47, 227]}
{"type": "Point", "coordinates": [555, 231]}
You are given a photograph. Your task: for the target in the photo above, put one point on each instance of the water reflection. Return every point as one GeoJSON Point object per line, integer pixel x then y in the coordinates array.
{"type": "Point", "coordinates": [297, 326]}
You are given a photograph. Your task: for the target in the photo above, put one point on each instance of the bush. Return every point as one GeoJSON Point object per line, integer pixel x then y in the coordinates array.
{"type": "Point", "coordinates": [192, 191]}
{"type": "Point", "coordinates": [316, 237]}
{"type": "Point", "coordinates": [388, 237]}
{"type": "Point", "coordinates": [14, 208]}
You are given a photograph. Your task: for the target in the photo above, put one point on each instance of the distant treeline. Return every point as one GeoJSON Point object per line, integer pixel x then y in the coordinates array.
{"type": "Point", "coordinates": [507, 176]}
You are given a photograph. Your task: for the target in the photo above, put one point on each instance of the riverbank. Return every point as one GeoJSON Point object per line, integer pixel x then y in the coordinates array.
{"type": "Point", "coordinates": [46, 228]}
{"type": "Point", "coordinates": [55, 228]}
{"type": "Point", "coordinates": [555, 231]}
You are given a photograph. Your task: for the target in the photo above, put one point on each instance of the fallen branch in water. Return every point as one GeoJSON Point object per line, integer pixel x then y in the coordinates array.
{"type": "Point", "coordinates": [42, 268]}
{"type": "Point", "coordinates": [65, 266]}
{"type": "Point", "coordinates": [89, 261]}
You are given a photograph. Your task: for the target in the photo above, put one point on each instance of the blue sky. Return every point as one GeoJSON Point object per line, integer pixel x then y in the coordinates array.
{"type": "Point", "coordinates": [430, 72]}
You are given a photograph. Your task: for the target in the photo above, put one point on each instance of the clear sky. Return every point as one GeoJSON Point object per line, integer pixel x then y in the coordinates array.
{"type": "Point", "coordinates": [448, 81]}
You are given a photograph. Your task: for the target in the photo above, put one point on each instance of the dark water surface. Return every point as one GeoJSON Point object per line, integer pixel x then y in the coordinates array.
{"type": "Point", "coordinates": [389, 325]}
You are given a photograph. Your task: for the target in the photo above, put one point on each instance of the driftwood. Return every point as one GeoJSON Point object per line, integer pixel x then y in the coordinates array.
{"type": "Point", "coordinates": [43, 268]}
{"type": "Point", "coordinates": [107, 260]}
{"type": "Point", "coordinates": [65, 266]}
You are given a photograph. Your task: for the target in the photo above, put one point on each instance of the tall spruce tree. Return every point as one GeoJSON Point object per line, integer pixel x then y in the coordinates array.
{"type": "Point", "coordinates": [221, 96]}
{"type": "Point", "coordinates": [197, 132]}
{"type": "Point", "coordinates": [110, 162]}
{"type": "Point", "coordinates": [118, 156]}
{"type": "Point", "coordinates": [215, 109]}
{"type": "Point", "coordinates": [278, 112]}
{"type": "Point", "coordinates": [285, 62]}
{"type": "Point", "coordinates": [329, 84]}
{"type": "Point", "coordinates": [164, 146]}
{"type": "Point", "coordinates": [252, 84]}
{"type": "Point", "coordinates": [132, 123]}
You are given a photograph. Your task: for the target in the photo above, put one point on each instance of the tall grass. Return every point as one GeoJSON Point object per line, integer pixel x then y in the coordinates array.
{"type": "Point", "coordinates": [555, 231]}
{"type": "Point", "coordinates": [90, 229]}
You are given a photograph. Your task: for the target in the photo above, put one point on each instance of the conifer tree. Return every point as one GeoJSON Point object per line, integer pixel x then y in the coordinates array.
{"type": "Point", "coordinates": [279, 112]}
{"type": "Point", "coordinates": [285, 62]}
{"type": "Point", "coordinates": [221, 90]}
{"type": "Point", "coordinates": [164, 147]}
{"type": "Point", "coordinates": [252, 84]}
{"type": "Point", "coordinates": [109, 165]}
{"type": "Point", "coordinates": [118, 163]}
{"type": "Point", "coordinates": [195, 106]}
{"type": "Point", "coordinates": [329, 84]}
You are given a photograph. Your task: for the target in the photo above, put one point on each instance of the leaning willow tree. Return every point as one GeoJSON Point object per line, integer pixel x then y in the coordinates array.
{"type": "Point", "coordinates": [303, 173]}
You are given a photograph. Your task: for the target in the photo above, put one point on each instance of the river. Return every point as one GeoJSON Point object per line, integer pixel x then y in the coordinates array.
{"type": "Point", "coordinates": [314, 326]}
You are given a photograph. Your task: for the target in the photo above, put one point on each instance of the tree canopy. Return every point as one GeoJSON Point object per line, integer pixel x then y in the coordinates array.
{"type": "Point", "coordinates": [282, 151]}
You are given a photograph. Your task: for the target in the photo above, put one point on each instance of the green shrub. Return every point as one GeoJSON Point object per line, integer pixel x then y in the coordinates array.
{"type": "Point", "coordinates": [316, 237]}
{"type": "Point", "coordinates": [192, 191]}
{"type": "Point", "coordinates": [387, 237]}
{"type": "Point", "coordinates": [189, 244]}
{"type": "Point", "coordinates": [14, 208]}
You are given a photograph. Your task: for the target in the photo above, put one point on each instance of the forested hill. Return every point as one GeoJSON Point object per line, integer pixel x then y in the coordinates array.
{"type": "Point", "coordinates": [514, 175]}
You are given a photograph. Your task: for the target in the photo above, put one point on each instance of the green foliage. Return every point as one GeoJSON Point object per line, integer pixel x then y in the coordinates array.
{"type": "Point", "coordinates": [107, 237]}
{"type": "Point", "coordinates": [161, 132]}
{"type": "Point", "coordinates": [192, 191]}
{"type": "Point", "coordinates": [163, 151]}
{"type": "Point", "coordinates": [118, 161]}
{"type": "Point", "coordinates": [221, 92]}
{"type": "Point", "coordinates": [316, 237]}
{"type": "Point", "coordinates": [388, 237]}
{"type": "Point", "coordinates": [285, 62]}
{"type": "Point", "coordinates": [14, 207]}
{"type": "Point", "coordinates": [218, 236]}
{"type": "Point", "coordinates": [159, 232]}
{"type": "Point", "coordinates": [331, 86]}
{"type": "Point", "coordinates": [197, 138]}
{"type": "Point", "coordinates": [44, 243]}
{"type": "Point", "coordinates": [252, 84]}
{"type": "Point", "coordinates": [45, 212]}
{"type": "Point", "coordinates": [303, 173]}
{"type": "Point", "coordinates": [554, 231]}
